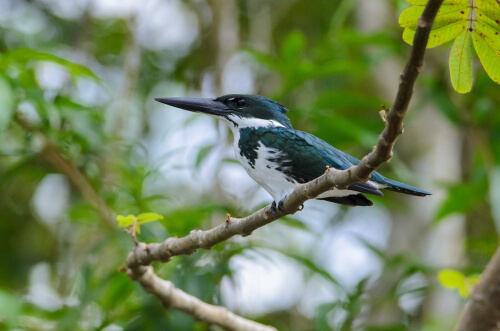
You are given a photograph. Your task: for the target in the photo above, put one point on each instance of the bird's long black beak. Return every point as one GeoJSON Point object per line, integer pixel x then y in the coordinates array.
{"type": "Point", "coordinates": [197, 105]}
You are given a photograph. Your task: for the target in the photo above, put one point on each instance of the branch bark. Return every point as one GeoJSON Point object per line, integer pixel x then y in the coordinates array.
{"type": "Point", "coordinates": [139, 259]}
{"type": "Point", "coordinates": [482, 311]}
{"type": "Point", "coordinates": [172, 297]}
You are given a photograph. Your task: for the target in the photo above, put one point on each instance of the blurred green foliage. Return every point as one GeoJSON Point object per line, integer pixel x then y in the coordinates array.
{"type": "Point", "coordinates": [77, 124]}
{"type": "Point", "coordinates": [453, 279]}
{"type": "Point", "coordinates": [136, 221]}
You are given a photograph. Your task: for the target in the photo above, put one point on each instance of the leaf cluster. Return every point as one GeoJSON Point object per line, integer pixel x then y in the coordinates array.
{"type": "Point", "coordinates": [455, 280]}
{"type": "Point", "coordinates": [468, 23]}
{"type": "Point", "coordinates": [137, 221]}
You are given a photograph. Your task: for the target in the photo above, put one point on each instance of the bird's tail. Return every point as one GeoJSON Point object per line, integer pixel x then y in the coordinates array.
{"type": "Point", "coordinates": [395, 186]}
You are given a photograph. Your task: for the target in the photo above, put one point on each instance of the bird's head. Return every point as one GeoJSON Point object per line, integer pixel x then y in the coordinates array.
{"type": "Point", "coordinates": [238, 110]}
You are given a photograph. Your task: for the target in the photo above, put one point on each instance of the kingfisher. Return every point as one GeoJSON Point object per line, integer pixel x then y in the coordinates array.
{"type": "Point", "coordinates": [278, 157]}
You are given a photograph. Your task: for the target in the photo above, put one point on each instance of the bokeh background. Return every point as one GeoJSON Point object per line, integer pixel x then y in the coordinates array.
{"type": "Point", "coordinates": [81, 140]}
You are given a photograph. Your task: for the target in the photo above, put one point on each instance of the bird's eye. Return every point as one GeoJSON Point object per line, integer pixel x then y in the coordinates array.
{"type": "Point", "coordinates": [240, 103]}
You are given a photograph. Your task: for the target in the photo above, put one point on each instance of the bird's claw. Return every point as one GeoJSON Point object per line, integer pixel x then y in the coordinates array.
{"type": "Point", "coordinates": [272, 209]}
{"type": "Point", "coordinates": [280, 205]}
{"type": "Point", "coordinates": [275, 207]}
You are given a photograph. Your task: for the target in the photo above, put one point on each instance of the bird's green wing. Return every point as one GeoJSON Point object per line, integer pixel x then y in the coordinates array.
{"type": "Point", "coordinates": [305, 157]}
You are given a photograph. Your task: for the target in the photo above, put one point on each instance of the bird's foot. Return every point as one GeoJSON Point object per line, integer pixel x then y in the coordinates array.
{"type": "Point", "coordinates": [280, 205]}
{"type": "Point", "coordinates": [272, 209]}
{"type": "Point", "coordinates": [275, 207]}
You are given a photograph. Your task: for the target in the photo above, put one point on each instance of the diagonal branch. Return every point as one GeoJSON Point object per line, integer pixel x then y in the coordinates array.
{"type": "Point", "coordinates": [144, 254]}
{"type": "Point", "coordinates": [172, 297]}
{"type": "Point", "coordinates": [139, 259]}
{"type": "Point", "coordinates": [53, 154]}
{"type": "Point", "coordinates": [395, 115]}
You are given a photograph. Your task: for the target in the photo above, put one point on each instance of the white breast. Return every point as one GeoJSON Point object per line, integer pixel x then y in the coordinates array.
{"type": "Point", "coordinates": [264, 172]}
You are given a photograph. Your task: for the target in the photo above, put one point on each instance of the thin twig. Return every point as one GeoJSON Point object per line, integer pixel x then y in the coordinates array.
{"type": "Point", "coordinates": [133, 232]}
{"type": "Point", "coordinates": [53, 154]}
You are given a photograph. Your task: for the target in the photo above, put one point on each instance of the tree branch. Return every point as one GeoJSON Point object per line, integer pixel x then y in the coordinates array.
{"type": "Point", "coordinates": [143, 254]}
{"type": "Point", "coordinates": [138, 260]}
{"type": "Point", "coordinates": [53, 154]}
{"type": "Point", "coordinates": [332, 178]}
{"type": "Point", "coordinates": [395, 115]}
{"type": "Point", "coordinates": [172, 297]}
{"type": "Point", "coordinates": [482, 311]}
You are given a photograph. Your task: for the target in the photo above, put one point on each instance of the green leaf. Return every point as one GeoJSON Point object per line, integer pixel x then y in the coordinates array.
{"type": "Point", "coordinates": [64, 102]}
{"type": "Point", "coordinates": [451, 279]}
{"type": "Point", "coordinates": [292, 46]}
{"type": "Point", "coordinates": [188, 218]}
{"type": "Point", "coordinates": [446, 2]}
{"type": "Point", "coordinates": [148, 217]}
{"type": "Point", "coordinates": [8, 103]}
{"type": "Point", "coordinates": [455, 20]}
{"type": "Point", "coordinates": [490, 8]}
{"type": "Point", "coordinates": [446, 15]}
{"type": "Point", "coordinates": [124, 221]}
{"type": "Point", "coordinates": [264, 59]}
{"type": "Point", "coordinates": [295, 223]}
{"type": "Point", "coordinates": [467, 285]}
{"type": "Point", "coordinates": [490, 29]}
{"type": "Point", "coordinates": [336, 67]}
{"type": "Point", "coordinates": [10, 308]}
{"type": "Point", "coordinates": [202, 154]}
{"type": "Point", "coordinates": [340, 99]}
{"type": "Point", "coordinates": [461, 63]}
{"type": "Point", "coordinates": [439, 36]}
{"type": "Point", "coordinates": [372, 248]}
{"type": "Point", "coordinates": [489, 57]}
{"type": "Point", "coordinates": [25, 55]}
{"type": "Point", "coordinates": [314, 268]}
{"type": "Point", "coordinates": [483, 18]}
{"type": "Point", "coordinates": [462, 198]}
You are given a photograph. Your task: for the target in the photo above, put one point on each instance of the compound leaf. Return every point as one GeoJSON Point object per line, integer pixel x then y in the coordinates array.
{"type": "Point", "coordinates": [455, 19]}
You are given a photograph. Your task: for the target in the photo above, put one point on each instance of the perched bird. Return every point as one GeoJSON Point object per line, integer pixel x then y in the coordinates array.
{"type": "Point", "coordinates": [279, 157]}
